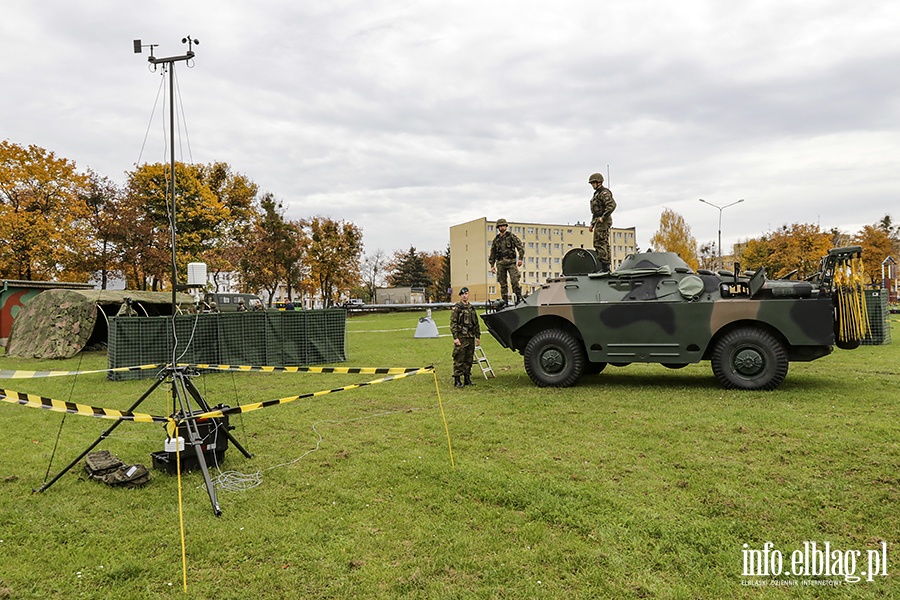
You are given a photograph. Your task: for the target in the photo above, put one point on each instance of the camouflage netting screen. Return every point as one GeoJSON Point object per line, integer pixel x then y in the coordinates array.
{"type": "Point", "coordinates": [270, 338]}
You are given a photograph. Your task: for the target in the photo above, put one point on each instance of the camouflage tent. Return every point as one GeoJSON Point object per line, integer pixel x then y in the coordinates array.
{"type": "Point", "coordinates": [59, 323]}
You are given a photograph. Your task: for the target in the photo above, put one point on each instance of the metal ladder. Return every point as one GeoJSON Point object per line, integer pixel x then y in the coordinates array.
{"type": "Point", "coordinates": [481, 357]}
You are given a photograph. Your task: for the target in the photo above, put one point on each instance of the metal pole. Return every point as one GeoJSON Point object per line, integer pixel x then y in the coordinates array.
{"type": "Point", "coordinates": [719, 262]}
{"type": "Point", "coordinates": [172, 200]}
{"type": "Point", "coordinates": [169, 62]}
{"type": "Point", "coordinates": [720, 209]}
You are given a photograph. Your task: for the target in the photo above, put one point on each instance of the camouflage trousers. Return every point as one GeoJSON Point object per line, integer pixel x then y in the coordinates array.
{"type": "Point", "coordinates": [463, 357]}
{"type": "Point", "coordinates": [504, 267]}
{"type": "Point", "coordinates": [601, 241]}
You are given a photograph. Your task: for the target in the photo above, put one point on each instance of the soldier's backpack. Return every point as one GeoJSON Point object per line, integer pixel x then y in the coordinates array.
{"type": "Point", "coordinates": [111, 470]}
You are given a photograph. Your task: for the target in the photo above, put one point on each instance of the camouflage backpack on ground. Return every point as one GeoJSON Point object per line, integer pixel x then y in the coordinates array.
{"type": "Point", "coordinates": [111, 470]}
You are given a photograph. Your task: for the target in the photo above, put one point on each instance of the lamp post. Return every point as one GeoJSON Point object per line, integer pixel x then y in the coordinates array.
{"type": "Point", "coordinates": [721, 208]}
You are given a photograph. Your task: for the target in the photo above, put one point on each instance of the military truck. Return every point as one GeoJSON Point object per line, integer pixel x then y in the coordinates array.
{"type": "Point", "coordinates": [656, 309]}
{"type": "Point", "coordinates": [227, 302]}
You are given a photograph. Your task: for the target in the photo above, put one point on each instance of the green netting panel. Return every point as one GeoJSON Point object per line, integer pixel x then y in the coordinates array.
{"type": "Point", "coordinates": [879, 325]}
{"type": "Point", "coordinates": [272, 338]}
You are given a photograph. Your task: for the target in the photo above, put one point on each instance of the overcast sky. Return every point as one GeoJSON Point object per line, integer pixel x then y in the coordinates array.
{"type": "Point", "coordinates": [409, 116]}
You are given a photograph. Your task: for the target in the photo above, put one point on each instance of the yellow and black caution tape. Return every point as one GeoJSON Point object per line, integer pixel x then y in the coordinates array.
{"type": "Point", "coordinates": [337, 370]}
{"type": "Point", "coordinates": [35, 401]}
{"type": "Point", "coordinates": [75, 408]}
{"type": "Point", "coordinates": [258, 405]}
{"type": "Point", "coordinates": [22, 374]}
{"type": "Point", "coordinates": [19, 374]}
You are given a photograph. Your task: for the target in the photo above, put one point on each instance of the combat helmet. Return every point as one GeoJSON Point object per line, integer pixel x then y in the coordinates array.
{"type": "Point", "coordinates": [502, 222]}
{"type": "Point", "coordinates": [598, 177]}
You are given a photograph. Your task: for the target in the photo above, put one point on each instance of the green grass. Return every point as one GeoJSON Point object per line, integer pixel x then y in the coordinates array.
{"type": "Point", "coordinates": [641, 482]}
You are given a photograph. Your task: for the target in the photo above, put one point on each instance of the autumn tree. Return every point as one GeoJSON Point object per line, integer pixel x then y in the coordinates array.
{"type": "Point", "coordinates": [42, 212]}
{"type": "Point", "coordinates": [213, 209]}
{"type": "Point", "coordinates": [674, 235]}
{"type": "Point", "coordinates": [272, 250]}
{"type": "Point", "coordinates": [876, 246]}
{"type": "Point", "coordinates": [434, 267]}
{"type": "Point", "coordinates": [239, 195]}
{"type": "Point", "coordinates": [794, 250]}
{"type": "Point", "coordinates": [103, 257]}
{"type": "Point", "coordinates": [333, 256]}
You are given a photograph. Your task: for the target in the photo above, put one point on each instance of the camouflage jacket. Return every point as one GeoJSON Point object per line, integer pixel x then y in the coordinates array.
{"type": "Point", "coordinates": [505, 247]}
{"type": "Point", "coordinates": [602, 205]}
{"type": "Point", "coordinates": [464, 321]}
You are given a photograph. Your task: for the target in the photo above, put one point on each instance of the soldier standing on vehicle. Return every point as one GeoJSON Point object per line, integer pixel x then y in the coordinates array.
{"type": "Point", "coordinates": [466, 334]}
{"type": "Point", "coordinates": [602, 207]}
{"type": "Point", "coordinates": [508, 252]}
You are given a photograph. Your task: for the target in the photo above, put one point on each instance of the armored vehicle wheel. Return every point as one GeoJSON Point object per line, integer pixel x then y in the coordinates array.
{"type": "Point", "coordinates": [554, 358]}
{"type": "Point", "coordinates": [749, 359]}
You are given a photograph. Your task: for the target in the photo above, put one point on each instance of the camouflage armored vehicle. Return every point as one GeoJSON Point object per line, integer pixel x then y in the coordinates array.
{"type": "Point", "coordinates": [655, 309]}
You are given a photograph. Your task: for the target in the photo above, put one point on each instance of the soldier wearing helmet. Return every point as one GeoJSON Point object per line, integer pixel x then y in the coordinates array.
{"type": "Point", "coordinates": [602, 207]}
{"type": "Point", "coordinates": [507, 253]}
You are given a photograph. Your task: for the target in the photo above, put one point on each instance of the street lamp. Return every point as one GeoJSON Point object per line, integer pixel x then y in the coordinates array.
{"type": "Point", "coordinates": [721, 208]}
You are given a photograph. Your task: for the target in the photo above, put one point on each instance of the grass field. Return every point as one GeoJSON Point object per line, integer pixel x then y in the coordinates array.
{"type": "Point", "coordinates": [641, 482]}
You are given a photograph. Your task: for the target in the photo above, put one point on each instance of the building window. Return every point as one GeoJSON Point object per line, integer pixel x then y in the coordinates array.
{"type": "Point", "coordinates": [531, 230]}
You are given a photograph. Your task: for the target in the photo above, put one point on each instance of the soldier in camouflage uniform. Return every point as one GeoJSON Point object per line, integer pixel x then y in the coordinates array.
{"type": "Point", "coordinates": [466, 332]}
{"type": "Point", "coordinates": [504, 252]}
{"type": "Point", "coordinates": [602, 207]}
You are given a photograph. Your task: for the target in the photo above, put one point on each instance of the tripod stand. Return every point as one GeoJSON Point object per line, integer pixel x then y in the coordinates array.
{"type": "Point", "coordinates": [183, 391]}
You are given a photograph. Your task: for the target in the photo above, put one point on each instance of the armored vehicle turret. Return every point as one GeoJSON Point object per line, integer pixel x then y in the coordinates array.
{"type": "Point", "coordinates": [656, 309]}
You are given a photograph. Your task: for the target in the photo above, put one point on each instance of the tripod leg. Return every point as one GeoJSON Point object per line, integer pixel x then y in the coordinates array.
{"type": "Point", "coordinates": [196, 442]}
{"type": "Point", "coordinates": [102, 437]}
{"type": "Point", "coordinates": [180, 387]}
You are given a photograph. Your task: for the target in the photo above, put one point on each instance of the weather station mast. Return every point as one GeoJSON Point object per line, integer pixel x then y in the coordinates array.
{"type": "Point", "coordinates": [169, 65]}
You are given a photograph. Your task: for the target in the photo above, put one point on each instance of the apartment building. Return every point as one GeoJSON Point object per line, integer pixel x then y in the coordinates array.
{"type": "Point", "coordinates": [545, 246]}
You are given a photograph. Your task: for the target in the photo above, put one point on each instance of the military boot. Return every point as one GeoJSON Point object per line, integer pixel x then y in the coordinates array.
{"type": "Point", "coordinates": [468, 380]}
{"type": "Point", "coordinates": [457, 382]}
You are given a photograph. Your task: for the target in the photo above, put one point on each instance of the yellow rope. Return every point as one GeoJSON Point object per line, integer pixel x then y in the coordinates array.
{"type": "Point", "coordinates": [446, 428]}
